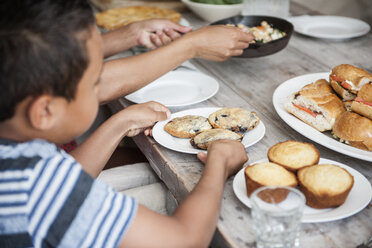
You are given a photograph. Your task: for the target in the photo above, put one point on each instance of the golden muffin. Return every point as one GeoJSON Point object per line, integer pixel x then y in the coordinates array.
{"type": "Point", "coordinates": [325, 185]}
{"type": "Point", "coordinates": [268, 174]}
{"type": "Point", "coordinates": [293, 155]}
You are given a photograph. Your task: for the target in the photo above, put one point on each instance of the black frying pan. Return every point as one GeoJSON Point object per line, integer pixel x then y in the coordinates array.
{"type": "Point", "coordinates": [261, 49]}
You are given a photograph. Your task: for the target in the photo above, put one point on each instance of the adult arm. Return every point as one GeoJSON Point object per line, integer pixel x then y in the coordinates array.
{"type": "Point", "coordinates": [123, 76]}
{"type": "Point", "coordinates": [150, 33]}
{"type": "Point", "coordinates": [194, 221]}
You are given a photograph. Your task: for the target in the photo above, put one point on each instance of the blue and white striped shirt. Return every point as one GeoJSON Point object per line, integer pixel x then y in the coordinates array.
{"type": "Point", "coordinates": [47, 200]}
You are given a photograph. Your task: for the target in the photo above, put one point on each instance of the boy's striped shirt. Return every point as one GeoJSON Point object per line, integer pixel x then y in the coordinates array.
{"type": "Point", "coordinates": [47, 200]}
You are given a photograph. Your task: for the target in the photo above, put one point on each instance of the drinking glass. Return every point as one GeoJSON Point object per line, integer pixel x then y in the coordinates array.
{"type": "Point", "coordinates": [278, 8]}
{"type": "Point", "coordinates": [276, 214]}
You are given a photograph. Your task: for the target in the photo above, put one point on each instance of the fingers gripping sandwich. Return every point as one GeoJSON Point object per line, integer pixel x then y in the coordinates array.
{"type": "Point", "coordinates": [347, 80]}
{"type": "Point", "coordinates": [316, 105]}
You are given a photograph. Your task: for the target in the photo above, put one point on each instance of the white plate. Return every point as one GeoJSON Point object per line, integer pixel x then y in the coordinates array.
{"type": "Point", "coordinates": [329, 27]}
{"type": "Point", "coordinates": [177, 88]}
{"type": "Point", "coordinates": [358, 198]}
{"type": "Point", "coordinates": [183, 145]}
{"type": "Point", "coordinates": [292, 85]}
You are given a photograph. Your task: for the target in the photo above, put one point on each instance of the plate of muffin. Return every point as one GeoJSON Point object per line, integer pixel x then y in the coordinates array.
{"type": "Point", "coordinates": [333, 109]}
{"type": "Point", "coordinates": [191, 131]}
{"type": "Point", "coordinates": [332, 190]}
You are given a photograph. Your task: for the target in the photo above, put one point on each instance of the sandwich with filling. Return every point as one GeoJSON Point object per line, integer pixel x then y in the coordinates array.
{"type": "Point", "coordinates": [316, 105]}
{"type": "Point", "coordinates": [347, 80]}
{"type": "Point", "coordinates": [363, 102]}
{"type": "Point", "coordinates": [353, 129]}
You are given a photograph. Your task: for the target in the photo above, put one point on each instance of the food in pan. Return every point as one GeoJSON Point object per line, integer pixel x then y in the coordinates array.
{"type": "Point", "coordinates": [354, 130]}
{"type": "Point", "coordinates": [234, 119]}
{"type": "Point", "coordinates": [325, 185]}
{"type": "Point", "coordinates": [268, 174]}
{"type": "Point", "coordinates": [316, 105]}
{"type": "Point", "coordinates": [363, 102]}
{"type": "Point", "coordinates": [347, 80]}
{"type": "Point", "coordinates": [117, 17]}
{"type": "Point", "coordinates": [205, 138]}
{"type": "Point", "coordinates": [293, 155]}
{"type": "Point", "coordinates": [263, 33]}
{"type": "Point", "coordinates": [187, 126]}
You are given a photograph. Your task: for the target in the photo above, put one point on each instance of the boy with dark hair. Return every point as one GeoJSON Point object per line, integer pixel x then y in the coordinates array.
{"type": "Point", "coordinates": [49, 78]}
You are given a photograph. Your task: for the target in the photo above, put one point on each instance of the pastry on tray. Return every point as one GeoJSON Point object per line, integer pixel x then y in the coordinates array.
{"type": "Point", "coordinates": [117, 17]}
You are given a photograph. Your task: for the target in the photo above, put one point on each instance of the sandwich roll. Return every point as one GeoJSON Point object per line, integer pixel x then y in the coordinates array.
{"type": "Point", "coordinates": [354, 130]}
{"type": "Point", "coordinates": [318, 109]}
{"type": "Point", "coordinates": [347, 80]}
{"type": "Point", "coordinates": [363, 103]}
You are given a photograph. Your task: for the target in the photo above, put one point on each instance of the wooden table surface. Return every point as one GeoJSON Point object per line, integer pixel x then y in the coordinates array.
{"type": "Point", "coordinates": [250, 84]}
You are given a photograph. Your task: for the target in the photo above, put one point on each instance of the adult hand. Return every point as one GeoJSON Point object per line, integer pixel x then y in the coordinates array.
{"type": "Point", "coordinates": [230, 152]}
{"type": "Point", "coordinates": [157, 32]}
{"type": "Point", "coordinates": [142, 116]}
{"type": "Point", "coordinates": [219, 42]}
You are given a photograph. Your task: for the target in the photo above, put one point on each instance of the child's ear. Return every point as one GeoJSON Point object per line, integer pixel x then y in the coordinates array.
{"type": "Point", "coordinates": [44, 112]}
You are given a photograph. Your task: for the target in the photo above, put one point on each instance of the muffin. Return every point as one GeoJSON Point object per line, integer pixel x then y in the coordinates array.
{"type": "Point", "coordinates": [293, 155]}
{"type": "Point", "coordinates": [325, 185]}
{"type": "Point", "coordinates": [268, 174]}
{"type": "Point", "coordinates": [205, 138]}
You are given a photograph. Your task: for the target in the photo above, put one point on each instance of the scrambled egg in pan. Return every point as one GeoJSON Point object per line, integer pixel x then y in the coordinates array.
{"type": "Point", "coordinates": [263, 33]}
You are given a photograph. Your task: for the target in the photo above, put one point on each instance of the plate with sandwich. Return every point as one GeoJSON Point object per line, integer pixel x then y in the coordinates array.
{"type": "Point", "coordinates": [318, 111]}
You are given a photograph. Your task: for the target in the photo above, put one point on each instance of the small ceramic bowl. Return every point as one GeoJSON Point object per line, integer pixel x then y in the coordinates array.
{"type": "Point", "coordinates": [213, 12]}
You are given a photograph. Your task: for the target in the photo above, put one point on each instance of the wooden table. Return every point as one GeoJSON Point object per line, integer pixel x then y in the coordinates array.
{"type": "Point", "coordinates": [250, 84]}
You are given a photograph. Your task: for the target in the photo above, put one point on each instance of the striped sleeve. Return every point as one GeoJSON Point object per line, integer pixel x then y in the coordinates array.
{"type": "Point", "coordinates": [68, 208]}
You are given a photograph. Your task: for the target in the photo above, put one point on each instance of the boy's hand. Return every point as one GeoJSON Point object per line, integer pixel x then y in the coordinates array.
{"type": "Point", "coordinates": [157, 33]}
{"type": "Point", "coordinates": [219, 42]}
{"type": "Point", "coordinates": [230, 152]}
{"type": "Point", "coordinates": [142, 116]}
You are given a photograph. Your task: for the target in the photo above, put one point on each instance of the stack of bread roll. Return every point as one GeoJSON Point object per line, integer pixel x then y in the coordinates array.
{"type": "Point", "coordinates": [294, 163]}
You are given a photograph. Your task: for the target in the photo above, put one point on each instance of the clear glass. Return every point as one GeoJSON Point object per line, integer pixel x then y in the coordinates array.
{"type": "Point", "coordinates": [278, 8]}
{"type": "Point", "coordinates": [276, 214]}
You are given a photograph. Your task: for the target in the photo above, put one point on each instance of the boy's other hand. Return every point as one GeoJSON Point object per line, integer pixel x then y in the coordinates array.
{"type": "Point", "coordinates": [157, 33]}
{"type": "Point", "coordinates": [219, 42]}
{"type": "Point", "coordinates": [142, 116]}
{"type": "Point", "coordinates": [231, 152]}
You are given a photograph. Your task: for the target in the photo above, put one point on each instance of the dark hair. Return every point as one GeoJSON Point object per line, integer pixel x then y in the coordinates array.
{"type": "Point", "coordinates": [42, 49]}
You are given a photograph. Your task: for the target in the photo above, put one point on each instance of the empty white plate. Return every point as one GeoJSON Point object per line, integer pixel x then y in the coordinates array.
{"type": "Point", "coordinates": [329, 27]}
{"type": "Point", "coordinates": [177, 88]}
